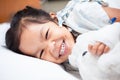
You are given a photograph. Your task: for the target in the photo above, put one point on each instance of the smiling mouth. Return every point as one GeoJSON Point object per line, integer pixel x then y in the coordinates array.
{"type": "Point", "coordinates": [62, 50]}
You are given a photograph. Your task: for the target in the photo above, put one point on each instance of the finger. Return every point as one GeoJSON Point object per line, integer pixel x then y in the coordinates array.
{"type": "Point", "coordinates": [106, 49]}
{"type": "Point", "coordinates": [95, 47]}
{"type": "Point", "coordinates": [100, 49]}
{"type": "Point", "coordinates": [90, 48]}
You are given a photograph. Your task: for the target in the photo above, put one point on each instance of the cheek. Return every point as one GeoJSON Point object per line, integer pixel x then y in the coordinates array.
{"type": "Point", "coordinates": [56, 33]}
{"type": "Point", "coordinates": [65, 31]}
{"type": "Point", "coordinates": [62, 31]}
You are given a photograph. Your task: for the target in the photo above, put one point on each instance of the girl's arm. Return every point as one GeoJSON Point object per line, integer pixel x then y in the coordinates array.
{"type": "Point", "coordinates": [113, 12]}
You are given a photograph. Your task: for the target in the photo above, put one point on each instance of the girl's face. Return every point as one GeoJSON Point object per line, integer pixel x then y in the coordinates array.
{"type": "Point", "coordinates": [47, 41]}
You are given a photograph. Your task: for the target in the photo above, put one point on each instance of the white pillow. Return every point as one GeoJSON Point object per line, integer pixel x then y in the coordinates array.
{"type": "Point", "coordinates": [3, 28]}
{"type": "Point", "coordinates": [14, 66]}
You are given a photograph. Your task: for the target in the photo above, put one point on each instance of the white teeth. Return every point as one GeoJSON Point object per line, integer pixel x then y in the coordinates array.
{"type": "Point", "coordinates": [62, 49]}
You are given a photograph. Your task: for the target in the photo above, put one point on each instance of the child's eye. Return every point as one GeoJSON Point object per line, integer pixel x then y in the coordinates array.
{"type": "Point", "coordinates": [41, 53]}
{"type": "Point", "coordinates": [46, 36]}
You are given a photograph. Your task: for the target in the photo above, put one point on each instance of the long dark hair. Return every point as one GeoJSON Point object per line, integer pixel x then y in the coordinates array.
{"type": "Point", "coordinates": [21, 19]}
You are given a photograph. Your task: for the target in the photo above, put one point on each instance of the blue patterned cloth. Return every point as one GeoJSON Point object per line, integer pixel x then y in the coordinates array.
{"type": "Point", "coordinates": [83, 15]}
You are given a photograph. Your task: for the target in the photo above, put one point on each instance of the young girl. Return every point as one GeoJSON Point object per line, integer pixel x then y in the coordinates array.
{"type": "Point", "coordinates": [33, 32]}
{"type": "Point", "coordinates": [36, 33]}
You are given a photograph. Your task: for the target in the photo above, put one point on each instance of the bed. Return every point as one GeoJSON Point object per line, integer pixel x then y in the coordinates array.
{"type": "Point", "coordinates": [14, 66]}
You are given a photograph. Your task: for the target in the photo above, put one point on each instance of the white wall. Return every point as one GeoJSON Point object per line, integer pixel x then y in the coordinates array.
{"type": "Point", "coordinates": [54, 5]}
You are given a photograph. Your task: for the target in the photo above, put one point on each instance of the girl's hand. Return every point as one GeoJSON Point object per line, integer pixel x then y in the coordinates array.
{"type": "Point", "coordinates": [98, 48]}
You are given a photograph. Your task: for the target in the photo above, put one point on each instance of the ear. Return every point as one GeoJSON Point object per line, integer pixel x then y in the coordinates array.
{"type": "Point", "coordinates": [53, 16]}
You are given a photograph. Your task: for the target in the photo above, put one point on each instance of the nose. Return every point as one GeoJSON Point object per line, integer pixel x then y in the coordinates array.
{"type": "Point", "coordinates": [53, 47]}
